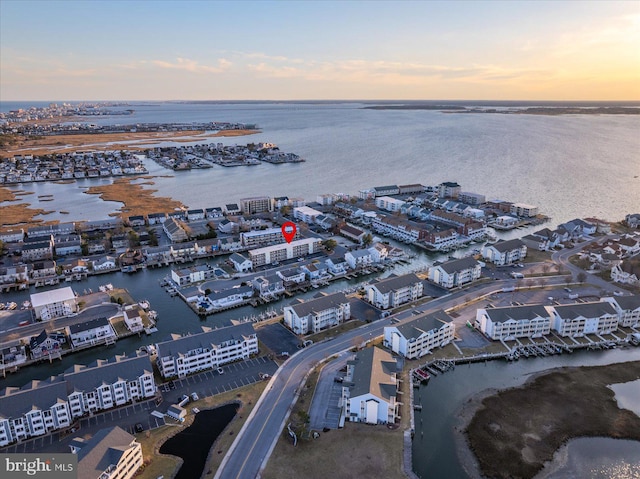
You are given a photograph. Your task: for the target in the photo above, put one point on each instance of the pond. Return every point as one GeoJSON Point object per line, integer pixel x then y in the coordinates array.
{"type": "Point", "coordinates": [193, 443]}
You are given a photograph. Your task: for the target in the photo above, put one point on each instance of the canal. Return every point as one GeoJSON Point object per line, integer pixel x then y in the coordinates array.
{"type": "Point", "coordinates": [436, 453]}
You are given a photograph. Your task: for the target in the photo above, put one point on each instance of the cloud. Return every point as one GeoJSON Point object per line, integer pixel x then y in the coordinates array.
{"type": "Point", "coordinates": [193, 66]}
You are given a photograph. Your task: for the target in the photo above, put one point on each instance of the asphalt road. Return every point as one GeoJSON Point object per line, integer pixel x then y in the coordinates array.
{"type": "Point", "coordinates": [254, 443]}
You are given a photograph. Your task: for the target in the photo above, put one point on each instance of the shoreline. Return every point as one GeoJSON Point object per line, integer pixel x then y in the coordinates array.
{"type": "Point", "coordinates": [46, 145]}
{"type": "Point", "coordinates": [481, 406]}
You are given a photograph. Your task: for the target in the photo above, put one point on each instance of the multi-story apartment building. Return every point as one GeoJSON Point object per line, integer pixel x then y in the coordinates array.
{"type": "Point", "coordinates": [524, 210]}
{"type": "Point", "coordinates": [628, 308]}
{"type": "Point", "coordinates": [184, 355]}
{"type": "Point", "coordinates": [511, 322]}
{"type": "Point", "coordinates": [256, 204]}
{"type": "Point", "coordinates": [104, 384]}
{"type": "Point", "coordinates": [394, 291]}
{"type": "Point", "coordinates": [317, 314]}
{"type": "Point", "coordinates": [505, 252]}
{"type": "Point", "coordinates": [56, 303]}
{"type": "Point", "coordinates": [473, 199]}
{"type": "Point", "coordinates": [584, 318]}
{"type": "Point", "coordinates": [33, 410]}
{"type": "Point", "coordinates": [389, 204]}
{"type": "Point", "coordinates": [370, 388]}
{"type": "Point", "coordinates": [259, 238]}
{"type": "Point", "coordinates": [417, 336]}
{"type": "Point", "coordinates": [111, 453]}
{"type": "Point", "coordinates": [454, 273]}
{"type": "Point", "coordinates": [284, 251]}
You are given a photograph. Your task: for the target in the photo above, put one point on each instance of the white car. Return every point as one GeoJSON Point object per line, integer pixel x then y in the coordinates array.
{"type": "Point", "coordinates": [220, 371]}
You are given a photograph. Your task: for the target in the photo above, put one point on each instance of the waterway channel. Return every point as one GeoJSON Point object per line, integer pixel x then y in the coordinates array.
{"type": "Point", "coordinates": [174, 316]}
{"type": "Point", "coordinates": [193, 443]}
{"type": "Point", "coordinates": [435, 453]}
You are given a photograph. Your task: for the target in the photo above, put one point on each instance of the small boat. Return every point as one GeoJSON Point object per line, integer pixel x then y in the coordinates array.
{"type": "Point", "coordinates": [26, 304]}
{"type": "Point", "coordinates": [144, 305]}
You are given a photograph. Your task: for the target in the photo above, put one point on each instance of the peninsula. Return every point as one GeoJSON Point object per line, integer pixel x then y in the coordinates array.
{"type": "Point", "coordinates": [517, 430]}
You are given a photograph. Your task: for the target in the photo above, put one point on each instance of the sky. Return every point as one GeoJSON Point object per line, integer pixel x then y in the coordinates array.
{"type": "Point", "coordinates": [319, 50]}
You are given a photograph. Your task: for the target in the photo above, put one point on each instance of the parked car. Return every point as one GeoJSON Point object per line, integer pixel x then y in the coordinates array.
{"type": "Point", "coordinates": [220, 371]}
{"type": "Point", "coordinates": [194, 396]}
{"type": "Point", "coordinates": [139, 427]}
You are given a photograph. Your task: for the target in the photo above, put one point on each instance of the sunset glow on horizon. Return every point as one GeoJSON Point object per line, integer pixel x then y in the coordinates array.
{"type": "Point", "coordinates": [53, 50]}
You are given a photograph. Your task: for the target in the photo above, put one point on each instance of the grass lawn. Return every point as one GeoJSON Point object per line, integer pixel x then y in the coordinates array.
{"type": "Point", "coordinates": [357, 451]}
{"type": "Point", "coordinates": [333, 332]}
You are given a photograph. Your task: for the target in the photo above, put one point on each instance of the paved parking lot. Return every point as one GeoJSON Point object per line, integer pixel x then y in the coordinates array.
{"type": "Point", "coordinates": [210, 383]}
{"type": "Point", "coordinates": [278, 338]}
{"type": "Point", "coordinates": [364, 311]}
{"type": "Point", "coordinates": [207, 383]}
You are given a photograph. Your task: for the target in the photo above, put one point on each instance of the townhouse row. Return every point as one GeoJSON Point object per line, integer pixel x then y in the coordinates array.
{"type": "Point", "coordinates": [41, 407]}
{"type": "Point", "coordinates": [569, 320]}
{"type": "Point", "coordinates": [55, 403]}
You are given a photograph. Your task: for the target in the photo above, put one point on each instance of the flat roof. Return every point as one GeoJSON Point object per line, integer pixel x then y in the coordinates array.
{"type": "Point", "coordinates": [53, 296]}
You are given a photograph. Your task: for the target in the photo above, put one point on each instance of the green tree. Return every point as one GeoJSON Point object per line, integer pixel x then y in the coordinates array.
{"type": "Point", "coordinates": [367, 239]}
{"type": "Point", "coordinates": [582, 277]}
{"type": "Point", "coordinates": [330, 244]}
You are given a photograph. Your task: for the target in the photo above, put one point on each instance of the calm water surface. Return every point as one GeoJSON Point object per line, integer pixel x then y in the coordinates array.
{"type": "Point", "coordinates": [570, 165]}
{"type": "Point", "coordinates": [434, 446]}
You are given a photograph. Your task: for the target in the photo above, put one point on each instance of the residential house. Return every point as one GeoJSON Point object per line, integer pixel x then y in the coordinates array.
{"type": "Point", "coordinates": [627, 272]}
{"type": "Point", "coordinates": [132, 319]}
{"type": "Point", "coordinates": [136, 220]}
{"type": "Point", "coordinates": [14, 274]}
{"type": "Point", "coordinates": [230, 297]}
{"type": "Point", "coordinates": [174, 230]}
{"type": "Point", "coordinates": [370, 389]}
{"type": "Point", "coordinates": [268, 287]}
{"type": "Point", "coordinates": [156, 218]}
{"type": "Point", "coordinates": [241, 263]}
{"type": "Point", "coordinates": [195, 214]}
{"type": "Point", "coordinates": [104, 264]}
{"type": "Point", "coordinates": [353, 233]}
{"type": "Point", "coordinates": [193, 274]}
{"type": "Point", "coordinates": [360, 258]}
{"type": "Point", "coordinates": [45, 344]}
{"type": "Point", "coordinates": [292, 276]}
{"type": "Point", "coordinates": [420, 335]}
{"type": "Point", "coordinates": [11, 235]}
{"type": "Point", "coordinates": [43, 269]}
{"type": "Point", "coordinates": [92, 332]}
{"type": "Point", "coordinates": [633, 220]}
